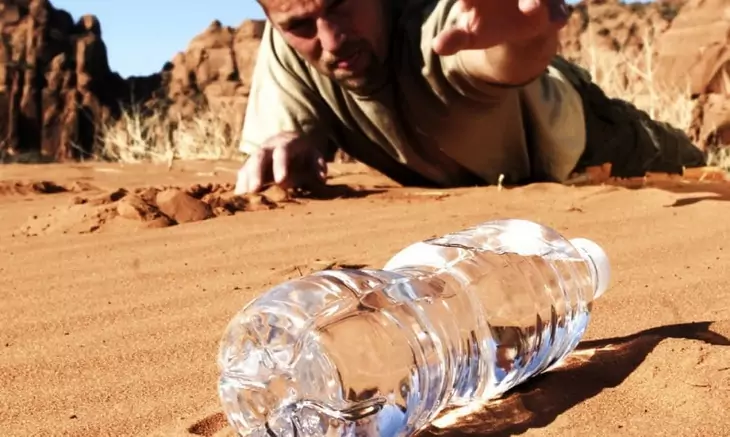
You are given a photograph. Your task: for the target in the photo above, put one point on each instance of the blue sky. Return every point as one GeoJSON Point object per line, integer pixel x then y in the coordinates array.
{"type": "Point", "coordinates": [141, 35]}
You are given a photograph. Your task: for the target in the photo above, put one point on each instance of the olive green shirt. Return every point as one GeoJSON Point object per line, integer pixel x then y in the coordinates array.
{"type": "Point", "coordinates": [431, 117]}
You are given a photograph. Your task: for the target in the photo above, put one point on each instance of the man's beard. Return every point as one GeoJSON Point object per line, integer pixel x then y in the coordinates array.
{"type": "Point", "coordinates": [368, 80]}
{"type": "Point", "coordinates": [364, 83]}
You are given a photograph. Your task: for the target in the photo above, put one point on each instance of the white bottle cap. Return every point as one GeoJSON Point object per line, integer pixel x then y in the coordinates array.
{"type": "Point", "coordinates": [595, 253]}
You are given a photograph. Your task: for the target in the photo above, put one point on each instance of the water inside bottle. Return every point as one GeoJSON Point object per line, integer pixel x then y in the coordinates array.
{"type": "Point", "coordinates": [350, 374]}
{"type": "Point", "coordinates": [524, 314]}
{"type": "Point", "coordinates": [409, 344]}
{"type": "Point", "coordinates": [470, 329]}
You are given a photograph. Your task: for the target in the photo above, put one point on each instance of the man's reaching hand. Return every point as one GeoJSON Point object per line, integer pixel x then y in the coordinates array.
{"type": "Point", "coordinates": [483, 24]}
{"type": "Point", "coordinates": [288, 160]}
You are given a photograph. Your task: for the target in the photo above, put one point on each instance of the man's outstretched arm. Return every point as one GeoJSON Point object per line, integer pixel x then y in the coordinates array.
{"type": "Point", "coordinates": [502, 42]}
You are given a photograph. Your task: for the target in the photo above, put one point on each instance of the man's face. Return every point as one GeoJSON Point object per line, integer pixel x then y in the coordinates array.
{"type": "Point", "coordinates": [346, 40]}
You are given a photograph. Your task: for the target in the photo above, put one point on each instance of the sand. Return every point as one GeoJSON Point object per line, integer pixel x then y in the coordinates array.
{"type": "Point", "coordinates": [118, 282]}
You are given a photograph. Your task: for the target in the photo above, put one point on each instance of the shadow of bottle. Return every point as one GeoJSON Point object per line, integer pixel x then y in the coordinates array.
{"type": "Point", "coordinates": [593, 367]}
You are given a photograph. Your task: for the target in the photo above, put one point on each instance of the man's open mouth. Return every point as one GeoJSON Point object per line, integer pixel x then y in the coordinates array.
{"type": "Point", "coordinates": [349, 62]}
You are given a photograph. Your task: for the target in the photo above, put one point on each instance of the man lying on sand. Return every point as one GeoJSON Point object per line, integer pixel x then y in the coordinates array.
{"type": "Point", "coordinates": [437, 93]}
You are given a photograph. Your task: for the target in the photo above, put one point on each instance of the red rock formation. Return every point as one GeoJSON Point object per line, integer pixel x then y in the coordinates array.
{"type": "Point", "coordinates": [614, 26]}
{"type": "Point", "coordinates": [57, 90]}
{"type": "Point", "coordinates": [55, 82]}
{"type": "Point", "coordinates": [215, 69]}
{"type": "Point", "coordinates": [694, 52]}
{"type": "Point", "coordinates": [693, 55]}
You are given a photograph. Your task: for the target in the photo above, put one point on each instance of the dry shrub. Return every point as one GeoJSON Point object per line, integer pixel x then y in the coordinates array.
{"type": "Point", "coordinates": [629, 74]}
{"type": "Point", "coordinates": [210, 133]}
{"type": "Point", "coordinates": [719, 157]}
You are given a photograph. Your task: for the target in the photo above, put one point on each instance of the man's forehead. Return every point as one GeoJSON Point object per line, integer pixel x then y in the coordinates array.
{"type": "Point", "coordinates": [294, 7]}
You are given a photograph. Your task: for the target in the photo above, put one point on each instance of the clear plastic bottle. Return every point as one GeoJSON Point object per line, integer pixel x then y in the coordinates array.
{"type": "Point", "coordinates": [380, 352]}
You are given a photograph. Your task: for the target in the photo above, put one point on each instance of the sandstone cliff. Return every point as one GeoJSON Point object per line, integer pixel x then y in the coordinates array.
{"type": "Point", "coordinates": [55, 83]}
{"type": "Point", "coordinates": [57, 90]}
{"type": "Point", "coordinates": [693, 57]}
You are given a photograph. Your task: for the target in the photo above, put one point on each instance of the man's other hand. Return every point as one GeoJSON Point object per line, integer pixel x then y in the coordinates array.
{"type": "Point", "coordinates": [483, 24]}
{"type": "Point", "coordinates": [288, 160]}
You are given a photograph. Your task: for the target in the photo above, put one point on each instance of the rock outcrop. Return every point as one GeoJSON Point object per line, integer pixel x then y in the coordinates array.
{"type": "Point", "coordinates": [693, 56]}
{"type": "Point", "coordinates": [694, 53]}
{"type": "Point", "coordinates": [610, 25]}
{"type": "Point", "coordinates": [216, 69]}
{"type": "Point", "coordinates": [56, 87]}
{"type": "Point", "coordinates": [710, 126]}
{"type": "Point", "coordinates": [689, 52]}
{"type": "Point", "coordinates": [218, 63]}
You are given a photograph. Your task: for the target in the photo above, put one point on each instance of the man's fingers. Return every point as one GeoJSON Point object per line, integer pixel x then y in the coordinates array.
{"type": "Point", "coordinates": [286, 160]}
{"type": "Point", "coordinates": [321, 168]}
{"type": "Point", "coordinates": [298, 168]}
{"type": "Point", "coordinates": [451, 41]}
{"type": "Point", "coordinates": [530, 6]}
{"type": "Point", "coordinates": [280, 161]}
{"type": "Point", "coordinates": [241, 182]}
{"type": "Point", "coordinates": [557, 10]}
{"type": "Point", "coordinates": [253, 174]}
{"type": "Point", "coordinates": [259, 171]}
{"type": "Point", "coordinates": [481, 24]}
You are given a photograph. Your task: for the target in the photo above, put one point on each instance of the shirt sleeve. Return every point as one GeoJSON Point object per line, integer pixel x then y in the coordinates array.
{"type": "Point", "coordinates": [282, 96]}
{"type": "Point", "coordinates": [546, 114]}
{"type": "Point", "coordinates": [556, 123]}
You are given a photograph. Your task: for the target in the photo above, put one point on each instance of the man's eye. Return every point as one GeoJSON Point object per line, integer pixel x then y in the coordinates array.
{"type": "Point", "coordinates": [336, 3]}
{"type": "Point", "coordinates": [294, 24]}
{"type": "Point", "coordinates": [301, 28]}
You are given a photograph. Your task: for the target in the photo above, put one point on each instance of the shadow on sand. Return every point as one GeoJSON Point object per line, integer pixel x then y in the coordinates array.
{"type": "Point", "coordinates": [710, 190]}
{"type": "Point", "coordinates": [541, 400]}
{"type": "Point", "coordinates": [713, 182]}
{"type": "Point", "coordinates": [336, 191]}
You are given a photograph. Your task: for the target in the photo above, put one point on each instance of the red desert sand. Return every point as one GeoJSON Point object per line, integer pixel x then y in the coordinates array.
{"type": "Point", "coordinates": [119, 280]}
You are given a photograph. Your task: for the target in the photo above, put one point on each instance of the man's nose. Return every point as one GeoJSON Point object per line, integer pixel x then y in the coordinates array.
{"type": "Point", "coordinates": [330, 35]}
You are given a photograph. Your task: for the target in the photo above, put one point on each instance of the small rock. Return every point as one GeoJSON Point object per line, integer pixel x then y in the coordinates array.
{"type": "Point", "coordinates": [159, 222]}
{"type": "Point", "coordinates": [107, 198]}
{"type": "Point", "coordinates": [257, 202]}
{"type": "Point", "coordinates": [134, 207]}
{"type": "Point", "coordinates": [276, 194]}
{"type": "Point", "coordinates": [148, 194]}
{"type": "Point", "coordinates": [47, 187]}
{"type": "Point", "coordinates": [222, 211]}
{"type": "Point", "coordinates": [182, 207]}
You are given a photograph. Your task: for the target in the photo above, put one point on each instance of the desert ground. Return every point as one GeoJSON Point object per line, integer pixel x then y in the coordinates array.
{"type": "Point", "coordinates": [111, 319]}
{"type": "Point", "coordinates": [119, 277]}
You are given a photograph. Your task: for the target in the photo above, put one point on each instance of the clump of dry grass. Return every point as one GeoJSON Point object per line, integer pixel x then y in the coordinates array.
{"type": "Point", "coordinates": [630, 74]}
{"type": "Point", "coordinates": [719, 157]}
{"type": "Point", "coordinates": [211, 133]}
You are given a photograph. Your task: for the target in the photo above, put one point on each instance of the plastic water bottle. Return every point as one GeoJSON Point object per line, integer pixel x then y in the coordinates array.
{"type": "Point", "coordinates": [380, 352]}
